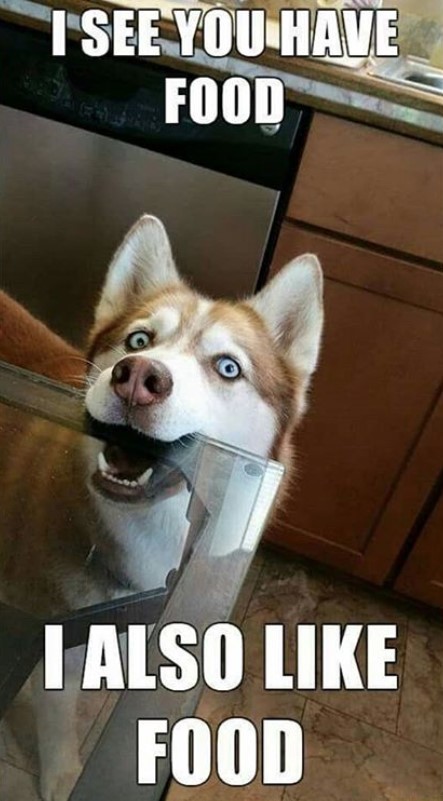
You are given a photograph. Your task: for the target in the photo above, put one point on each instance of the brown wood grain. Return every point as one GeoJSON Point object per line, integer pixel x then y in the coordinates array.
{"type": "Point", "coordinates": [372, 185]}
{"type": "Point", "coordinates": [363, 267]}
{"type": "Point", "coordinates": [422, 576]}
{"type": "Point", "coordinates": [366, 459]}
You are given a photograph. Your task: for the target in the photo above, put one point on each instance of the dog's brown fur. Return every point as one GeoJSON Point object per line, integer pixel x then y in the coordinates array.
{"type": "Point", "coordinates": [34, 514]}
{"type": "Point", "coordinates": [280, 381]}
{"type": "Point", "coordinates": [275, 380]}
{"type": "Point", "coordinates": [28, 343]}
{"type": "Point", "coordinates": [48, 518]}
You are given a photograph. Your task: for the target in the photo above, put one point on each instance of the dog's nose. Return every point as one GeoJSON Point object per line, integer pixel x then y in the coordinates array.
{"type": "Point", "coordinates": [139, 381]}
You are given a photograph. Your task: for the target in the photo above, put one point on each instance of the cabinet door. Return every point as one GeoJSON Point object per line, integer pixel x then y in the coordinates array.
{"type": "Point", "coordinates": [422, 575]}
{"type": "Point", "coordinates": [369, 449]}
{"type": "Point", "coordinates": [372, 185]}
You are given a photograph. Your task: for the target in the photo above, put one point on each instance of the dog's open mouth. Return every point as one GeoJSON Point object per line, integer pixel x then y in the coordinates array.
{"type": "Point", "coordinates": [123, 475]}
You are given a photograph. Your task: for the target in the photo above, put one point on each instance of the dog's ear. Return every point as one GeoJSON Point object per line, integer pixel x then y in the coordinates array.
{"type": "Point", "coordinates": [143, 263]}
{"type": "Point", "coordinates": [292, 307]}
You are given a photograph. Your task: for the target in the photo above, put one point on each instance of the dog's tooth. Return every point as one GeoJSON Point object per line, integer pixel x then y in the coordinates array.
{"type": "Point", "coordinates": [125, 482]}
{"type": "Point", "coordinates": [102, 463]}
{"type": "Point", "coordinates": [144, 478]}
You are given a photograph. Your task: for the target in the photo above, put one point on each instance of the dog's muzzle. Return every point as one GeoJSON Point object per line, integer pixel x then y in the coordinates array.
{"type": "Point", "coordinates": [139, 381]}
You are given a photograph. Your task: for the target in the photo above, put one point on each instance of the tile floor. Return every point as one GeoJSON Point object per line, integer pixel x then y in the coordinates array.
{"type": "Point", "coordinates": [359, 746]}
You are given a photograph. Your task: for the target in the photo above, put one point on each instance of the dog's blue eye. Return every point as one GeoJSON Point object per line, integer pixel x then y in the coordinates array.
{"type": "Point", "coordinates": [137, 340]}
{"type": "Point", "coordinates": [227, 367]}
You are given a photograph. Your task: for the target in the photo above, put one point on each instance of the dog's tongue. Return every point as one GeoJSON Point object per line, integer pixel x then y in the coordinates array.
{"type": "Point", "coordinates": [124, 464]}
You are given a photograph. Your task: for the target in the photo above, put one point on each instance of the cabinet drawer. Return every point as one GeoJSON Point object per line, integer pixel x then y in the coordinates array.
{"type": "Point", "coordinates": [372, 185]}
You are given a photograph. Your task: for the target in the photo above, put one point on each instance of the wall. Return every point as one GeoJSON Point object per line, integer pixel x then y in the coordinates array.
{"type": "Point", "coordinates": [421, 8]}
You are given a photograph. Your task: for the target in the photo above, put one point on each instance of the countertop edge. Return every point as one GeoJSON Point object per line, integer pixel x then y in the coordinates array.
{"type": "Point", "coordinates": [303, 86]}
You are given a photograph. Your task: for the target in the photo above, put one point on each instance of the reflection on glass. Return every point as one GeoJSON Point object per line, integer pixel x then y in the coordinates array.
{"type": "Point", "coordinates": [84, 521]}
{"type": "Point", "coordinates": [99, 526]}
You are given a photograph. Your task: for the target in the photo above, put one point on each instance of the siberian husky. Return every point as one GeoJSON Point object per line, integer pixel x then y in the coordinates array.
{"type": "Point", "coordinates": [167, 362]}
{"type": "Point", "coordinates": [173, 362]}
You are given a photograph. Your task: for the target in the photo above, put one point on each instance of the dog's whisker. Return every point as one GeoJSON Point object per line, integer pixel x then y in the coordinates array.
{"type": "Point", "coordinates": [118, 350]}
{"type": "Point", "coordinates": [78, 378]}
{"type": "Point", "coordinates": [87, 362]}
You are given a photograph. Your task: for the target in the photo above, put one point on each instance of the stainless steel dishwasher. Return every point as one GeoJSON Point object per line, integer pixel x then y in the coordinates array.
{"type": "Point", "coordinates": [84, 151]}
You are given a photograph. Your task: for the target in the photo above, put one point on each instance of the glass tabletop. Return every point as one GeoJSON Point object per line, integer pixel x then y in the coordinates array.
{"type": "Point", "coordinates": [100, 525]}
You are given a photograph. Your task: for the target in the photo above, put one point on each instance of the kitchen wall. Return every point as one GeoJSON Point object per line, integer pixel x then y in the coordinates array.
{"type": "Point", "coordinates": [421, 26]}
{"type": "Point", "coordinates": [429, 9]}
{"type": "Point", "coordinates": [432, 9]}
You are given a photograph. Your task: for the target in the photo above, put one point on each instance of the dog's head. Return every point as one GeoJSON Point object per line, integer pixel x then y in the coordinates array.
{"type": "Point", "coordinates": [172, 362]}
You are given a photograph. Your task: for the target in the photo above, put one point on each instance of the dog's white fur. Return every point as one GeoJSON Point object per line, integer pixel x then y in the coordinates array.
{"type": "Point", "coordinates": [275, 338]}
{"type": "Point", "coordinates": [290, 306]}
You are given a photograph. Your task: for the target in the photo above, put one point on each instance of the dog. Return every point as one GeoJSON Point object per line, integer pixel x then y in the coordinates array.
{"type": "Point", "coordinates": [166, 362]}
{"type": "Point", "coordinates": [171, 362]}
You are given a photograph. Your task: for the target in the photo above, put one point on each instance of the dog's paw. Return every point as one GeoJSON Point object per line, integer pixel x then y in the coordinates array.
{"type": "Point", "coordinates": [58, 786]}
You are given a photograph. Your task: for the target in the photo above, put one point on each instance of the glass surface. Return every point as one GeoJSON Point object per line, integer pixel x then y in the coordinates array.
{"type": "Point", "coordinates": [102, 525]}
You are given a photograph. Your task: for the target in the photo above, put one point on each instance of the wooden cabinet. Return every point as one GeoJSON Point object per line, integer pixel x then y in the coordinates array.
{"type": "Point", "coordinates": [372, 401]}
{"type": "Point", "coordinates": [371, 185]}
{"type": "Point", "coordinates": [370, 449]}
{"type": "Point", "coordinates": [422, 575]}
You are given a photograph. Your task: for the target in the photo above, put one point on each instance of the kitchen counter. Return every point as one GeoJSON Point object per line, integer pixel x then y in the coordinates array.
{"type": "Point", "coordinates": [349, 93]}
